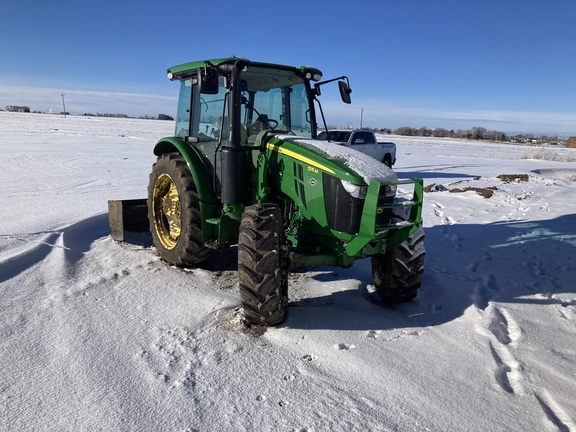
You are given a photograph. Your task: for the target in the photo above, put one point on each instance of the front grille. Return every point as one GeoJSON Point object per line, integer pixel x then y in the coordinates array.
{"type": "Point", "coordinates": [343, 212]}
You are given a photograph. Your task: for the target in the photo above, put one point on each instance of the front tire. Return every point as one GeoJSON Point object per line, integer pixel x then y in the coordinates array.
{"type": "Point", "coordinates": [397, 273]}
{"type": "Point", "coordinates": [263, 286]}
{"type": "Point", "coordinates": [174, 212]}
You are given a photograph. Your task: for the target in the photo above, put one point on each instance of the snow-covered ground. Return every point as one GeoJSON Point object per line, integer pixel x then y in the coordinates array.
{"type": "Point", "coordinates": [97, 335]}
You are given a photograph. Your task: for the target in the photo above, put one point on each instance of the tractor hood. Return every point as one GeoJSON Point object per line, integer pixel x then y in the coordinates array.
{"type": "Point", "coordinates": [340, 158]}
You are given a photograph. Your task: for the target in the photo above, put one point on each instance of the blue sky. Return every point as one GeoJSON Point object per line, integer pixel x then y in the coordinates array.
{"type": "Point", "coordinates": [506, 65]}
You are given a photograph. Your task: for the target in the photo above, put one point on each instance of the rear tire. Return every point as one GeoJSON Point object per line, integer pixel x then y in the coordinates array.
{"type": "Point", "coordinates": [263, 286]}
{"type": "Point", "coordinates": [397, 274]}
{"type": "Point", "coordinates": [387, 161]}
{"type": "Point", "coordinates": [174, 212]}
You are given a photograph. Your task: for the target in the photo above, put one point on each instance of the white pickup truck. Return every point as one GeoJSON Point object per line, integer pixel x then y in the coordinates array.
{"type": "Point", "coordinates": [364, 141]}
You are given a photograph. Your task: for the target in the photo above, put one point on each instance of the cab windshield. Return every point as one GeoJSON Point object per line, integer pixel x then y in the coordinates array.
{"type": "Point", "coordinates": [272, 99]}
{"type": "Point", "coordinates": [277, 100]}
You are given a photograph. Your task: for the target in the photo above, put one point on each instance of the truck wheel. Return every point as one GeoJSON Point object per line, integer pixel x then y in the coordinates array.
{"type": "Point", "coordinates": [174, 212]}
{"type": "Point", "coordinates": [387, 161]}
{"type": "Point", "coordinates": [397, 274]}
{"type": "Point", "coordinates": [263, 287]}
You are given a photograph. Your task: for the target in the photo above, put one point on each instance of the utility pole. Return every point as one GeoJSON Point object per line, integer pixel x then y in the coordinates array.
{"type": "Point", "coordinates": [361, 117]}
{"type": "Point", "coordinates": [63, 104]}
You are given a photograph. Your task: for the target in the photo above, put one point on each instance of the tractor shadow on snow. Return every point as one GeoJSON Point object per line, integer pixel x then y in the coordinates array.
{"type": "Point", "coordinates": [467, 265]}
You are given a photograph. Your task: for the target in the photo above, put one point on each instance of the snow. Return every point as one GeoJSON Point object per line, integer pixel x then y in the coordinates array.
{"type": "Point", "coordinates": [97, 335]}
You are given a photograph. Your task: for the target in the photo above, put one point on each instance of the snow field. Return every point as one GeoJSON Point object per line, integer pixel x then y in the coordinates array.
{"type": "Point", "coordinates": [97, 335]}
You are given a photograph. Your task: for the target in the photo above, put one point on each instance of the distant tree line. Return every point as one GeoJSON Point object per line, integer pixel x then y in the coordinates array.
{"type": "Point", "coordinates": [16, 108]}
{"type": "Point", "coordinates": [146, 117]}
{"type": "Point", "coordinates": [476, 133]}
{"type": "Point", "coordinates": [106, 115]}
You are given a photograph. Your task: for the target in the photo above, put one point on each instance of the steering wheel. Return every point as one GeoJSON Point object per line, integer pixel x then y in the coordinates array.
{"type": "Point", "coordinates": [267, 123]}
{"type": "Point", "coordinates": [272, 123]}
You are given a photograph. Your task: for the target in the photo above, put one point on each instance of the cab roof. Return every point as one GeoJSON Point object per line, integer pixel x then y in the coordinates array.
{"type": "Point", "coordinates": [186, 70]}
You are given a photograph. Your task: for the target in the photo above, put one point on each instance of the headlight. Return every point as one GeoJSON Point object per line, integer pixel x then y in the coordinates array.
{"type": "Point", "coordinates": [355, 191]}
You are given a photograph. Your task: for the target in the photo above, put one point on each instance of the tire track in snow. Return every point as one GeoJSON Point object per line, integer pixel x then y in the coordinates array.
{"type": "Point", "coordinates": [507, 334]}
{"type": "Point", "coordinates": [504, 328]}
{"type": "Point", "coordinates": [507, 372]}
{"type": "Point", "coordinates": [554, 412]}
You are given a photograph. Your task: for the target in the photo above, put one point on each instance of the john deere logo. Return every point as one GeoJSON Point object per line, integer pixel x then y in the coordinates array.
{"type": "Point", "coordinates": [312, 182]}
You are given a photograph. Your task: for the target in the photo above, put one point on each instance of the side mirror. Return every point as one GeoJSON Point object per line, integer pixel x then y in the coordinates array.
{"type": "Point", "coordinates": [345, 91]}
{"type": "Point", "coordinates": [208, 80]}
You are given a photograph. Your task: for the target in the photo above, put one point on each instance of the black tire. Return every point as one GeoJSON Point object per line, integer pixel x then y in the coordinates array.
{"type": "Point", "coordinates": [397, 273]}
{"type": "Point", "coordinates": [263, 286]}
{"type": "Point", "coordinates": [174, 212]}
{"type": "Point", "coordinates": [387, 161]}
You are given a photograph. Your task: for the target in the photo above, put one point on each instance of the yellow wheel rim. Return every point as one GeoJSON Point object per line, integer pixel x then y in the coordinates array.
{"type": "Point", "coordinates": [166, 211]}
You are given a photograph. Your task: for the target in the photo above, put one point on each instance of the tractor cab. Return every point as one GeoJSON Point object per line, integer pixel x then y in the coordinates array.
{"type": "Point", "coordinates": [217, 112]}
{"type": "Point", "coordinates": [225, 104]}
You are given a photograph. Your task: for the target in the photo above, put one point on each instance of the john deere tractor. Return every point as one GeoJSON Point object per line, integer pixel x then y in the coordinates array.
{"type": "Point", "coordinates": [244, 167]}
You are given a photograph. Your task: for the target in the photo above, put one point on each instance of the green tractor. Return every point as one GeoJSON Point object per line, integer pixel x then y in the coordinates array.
{"type": "Point", "coordinates": [244, 167]}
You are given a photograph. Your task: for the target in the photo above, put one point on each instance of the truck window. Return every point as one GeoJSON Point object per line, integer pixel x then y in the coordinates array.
{"type": "Point", "coordinates": [369, 138]}
{"type": "Point", "coordinates": [358, 138]}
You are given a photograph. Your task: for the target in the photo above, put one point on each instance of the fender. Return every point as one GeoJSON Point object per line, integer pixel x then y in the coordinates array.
{"type": "Point", "coordinates": [207, 198]}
